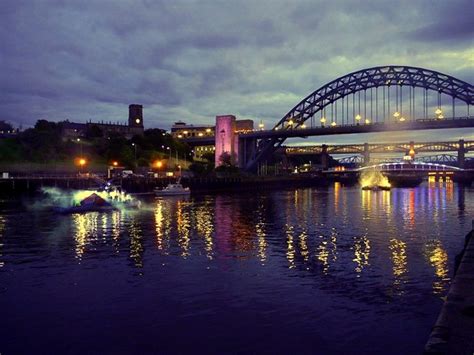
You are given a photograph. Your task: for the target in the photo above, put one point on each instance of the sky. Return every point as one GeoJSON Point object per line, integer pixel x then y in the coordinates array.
{"type": "Point", "coordinates": [193, 60]}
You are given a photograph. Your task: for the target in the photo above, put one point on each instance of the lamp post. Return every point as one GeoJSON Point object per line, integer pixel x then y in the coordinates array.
{"type": "Point", "coordinates": [222, 140]}
{"type": "Point", "coordinates": [358, 117]}
{"type": "Point", "coordinates": [82, 163]}
{"type": "Point", "coordinates": [80, 144]}
{"type": "Point", "coordinates": [169, 160]}
{"type": "Point", "coordinates": [135, 146]}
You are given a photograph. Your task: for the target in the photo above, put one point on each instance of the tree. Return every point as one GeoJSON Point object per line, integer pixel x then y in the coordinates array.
{"type": "Point", "coordinates": [94, 131]}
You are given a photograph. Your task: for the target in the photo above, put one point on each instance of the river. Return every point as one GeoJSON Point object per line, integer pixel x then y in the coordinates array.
{"type": "Point", "coordinates": [316, 270]}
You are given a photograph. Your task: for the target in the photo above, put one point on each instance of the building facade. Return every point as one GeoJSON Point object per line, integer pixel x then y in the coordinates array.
{"type": "Point", "coordinates": [105, 129]}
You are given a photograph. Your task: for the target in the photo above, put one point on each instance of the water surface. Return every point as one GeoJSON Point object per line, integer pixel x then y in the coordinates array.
{"type": "Point", "coordinates": [315, 270]}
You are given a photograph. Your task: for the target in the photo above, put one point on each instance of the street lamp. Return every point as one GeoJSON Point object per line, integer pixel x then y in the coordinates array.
{"type": "Point", "coordinates": [261, 125]}
{"type": "Point", "coordinates": [367, 121]}
{"type": "Point", "coordinates": [222, 132]}
{"type": "Point", "coordinates": [358, 118]}
{"type": "Point", "coordinates": [81, 162]}
{"type": "Point", "coordinates": [79, 141]}
{"type": "Point", "coordinates": [135, 146]}
{"type": "Point", "coordinates": [323, 121]}
{"type": "Point", "coordinates": [333, 124]}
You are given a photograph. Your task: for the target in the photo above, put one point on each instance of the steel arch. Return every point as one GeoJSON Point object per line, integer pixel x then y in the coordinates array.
{"type": "Point", "coordinates": [362, 80]}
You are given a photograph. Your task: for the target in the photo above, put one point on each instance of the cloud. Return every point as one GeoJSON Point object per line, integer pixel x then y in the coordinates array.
{"type": "Point", "coordinates": [192, 60]}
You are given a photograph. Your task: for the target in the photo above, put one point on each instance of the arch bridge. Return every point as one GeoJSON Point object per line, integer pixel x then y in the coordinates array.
{"type": "Point", "coordinates": [343, 108]}
{"type": "Point", "coordinates": [362, 153]}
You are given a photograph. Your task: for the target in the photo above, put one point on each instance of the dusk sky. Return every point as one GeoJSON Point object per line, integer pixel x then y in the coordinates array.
{"type": "Point", "coordinates": [193, 60]}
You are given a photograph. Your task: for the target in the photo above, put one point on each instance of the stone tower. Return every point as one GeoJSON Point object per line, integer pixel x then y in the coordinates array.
{"type": "Point", "coordinates": [135, 116]}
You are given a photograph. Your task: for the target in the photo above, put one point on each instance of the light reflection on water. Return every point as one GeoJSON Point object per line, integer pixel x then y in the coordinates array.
{"type": "Point", "coordinates": [224, 227]}
{"type": "Point", "coordinates": [386, 251]}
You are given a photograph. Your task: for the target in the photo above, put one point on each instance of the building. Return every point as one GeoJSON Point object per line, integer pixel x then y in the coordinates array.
{"type": "Point", "coordinates": [133, 127]}
{"type": "Point", "coordinates": [182, 130]}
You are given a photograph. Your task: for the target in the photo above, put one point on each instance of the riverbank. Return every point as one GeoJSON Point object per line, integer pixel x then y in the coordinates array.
{"type": "Point", "coordinates": [453, 332]}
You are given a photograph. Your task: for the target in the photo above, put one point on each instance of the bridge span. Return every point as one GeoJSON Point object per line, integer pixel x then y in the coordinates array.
{"type": "Point", "coordinates": [379, 99]}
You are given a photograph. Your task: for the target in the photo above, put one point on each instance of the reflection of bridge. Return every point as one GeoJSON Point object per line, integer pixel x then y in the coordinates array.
{"type": "Point", "coordinates": [369, 100]}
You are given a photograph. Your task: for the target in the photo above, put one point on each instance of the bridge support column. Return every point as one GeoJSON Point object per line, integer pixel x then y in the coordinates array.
{"type": "Point", "coordinates": [461, 154]}
{"type": "Point", "coordinates": [225, 139]}
{"type": "Point", "coordinates": [246, 149]}
{"type": "Point", "coordinates": [324, 157]}
{"type": "Point", "coordinates": [366, 154]}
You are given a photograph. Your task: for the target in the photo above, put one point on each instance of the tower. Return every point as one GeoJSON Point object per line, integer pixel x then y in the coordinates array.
{"type": "Point", "coordinates": [135, 116]}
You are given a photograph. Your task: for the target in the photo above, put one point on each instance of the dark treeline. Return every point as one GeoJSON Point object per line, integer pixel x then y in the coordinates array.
{"type": "Point", "coordinates": [45, 143]}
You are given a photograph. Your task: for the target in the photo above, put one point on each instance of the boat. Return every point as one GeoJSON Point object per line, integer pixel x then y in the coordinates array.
{"type": "Point", "coordinates": [92, 203]}
{"type": "Point", "coordinates": [175, 189]}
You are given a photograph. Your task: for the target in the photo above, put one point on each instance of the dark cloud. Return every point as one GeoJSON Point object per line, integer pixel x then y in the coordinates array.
{"type": "Point", "coordinates": [447, 21]}
{"type": "Point", "coordinates": [192, 60]}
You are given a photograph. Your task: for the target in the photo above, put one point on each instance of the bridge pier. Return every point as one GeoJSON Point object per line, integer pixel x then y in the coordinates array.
{"type": "Point", "coordinates": [461, 154]}
{"type": "Point", "coordinates": [246, 149]}
{"type": "Point", "coordinates": [324, 157]}
{"type": "Point", "coordinates": [366, 154]}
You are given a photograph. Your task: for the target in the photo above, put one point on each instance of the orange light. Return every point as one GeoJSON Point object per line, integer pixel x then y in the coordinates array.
{"type": "Point", "coordinates": [114, 163]}
{"type": "Point", "coordinates": [82, 162]}
{"type": "Point", "coordinates": [158, 164]}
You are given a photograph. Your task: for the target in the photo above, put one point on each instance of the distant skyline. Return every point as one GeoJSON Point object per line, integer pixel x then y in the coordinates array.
{"type": "Point", "coordinates": [193, 60]}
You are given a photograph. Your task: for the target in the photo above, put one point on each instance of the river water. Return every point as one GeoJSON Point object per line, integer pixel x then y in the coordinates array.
{"type": "Point", "coordinates": [316, 270]}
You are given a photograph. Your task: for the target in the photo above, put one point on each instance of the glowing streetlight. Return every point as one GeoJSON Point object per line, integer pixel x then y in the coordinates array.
{"type": "Point", "coordinates": [396, 114]}
{"type": "Point", "coordinates": [290, 122]}
{"type": "Point", "coordinates": [438, 111]}
{"type": "Point", "coordinates": [440, 117]}
{"type": "Point", "coordinates": [402, 119]}
{"type": "Point", "coordinates": [333, 124]}
{"type": "Point", "coordinates": [358, 118]}
{"type": "Point", "coordinates": [303, 126]}
{"type": "Point", "coordinates": [81, 162]}
{"type": "Point", "coordinates": [367, 121]}
{"type": "Point", "coordinates": [261, 125]}
{"type": "Point", "coordinates": [323, 120]}
{"type": "Point", "coordinates": [158, 164]}
{"type": "Point", "coordinates": [208, 130]}
{"type": "Point", "coordinates": [115, 163]}
{"type": "Point", "coordinates": [200, 134]}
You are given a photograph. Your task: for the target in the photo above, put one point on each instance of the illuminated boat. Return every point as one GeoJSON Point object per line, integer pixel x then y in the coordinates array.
{"type": "Point", "coordinates": [173, 190]}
